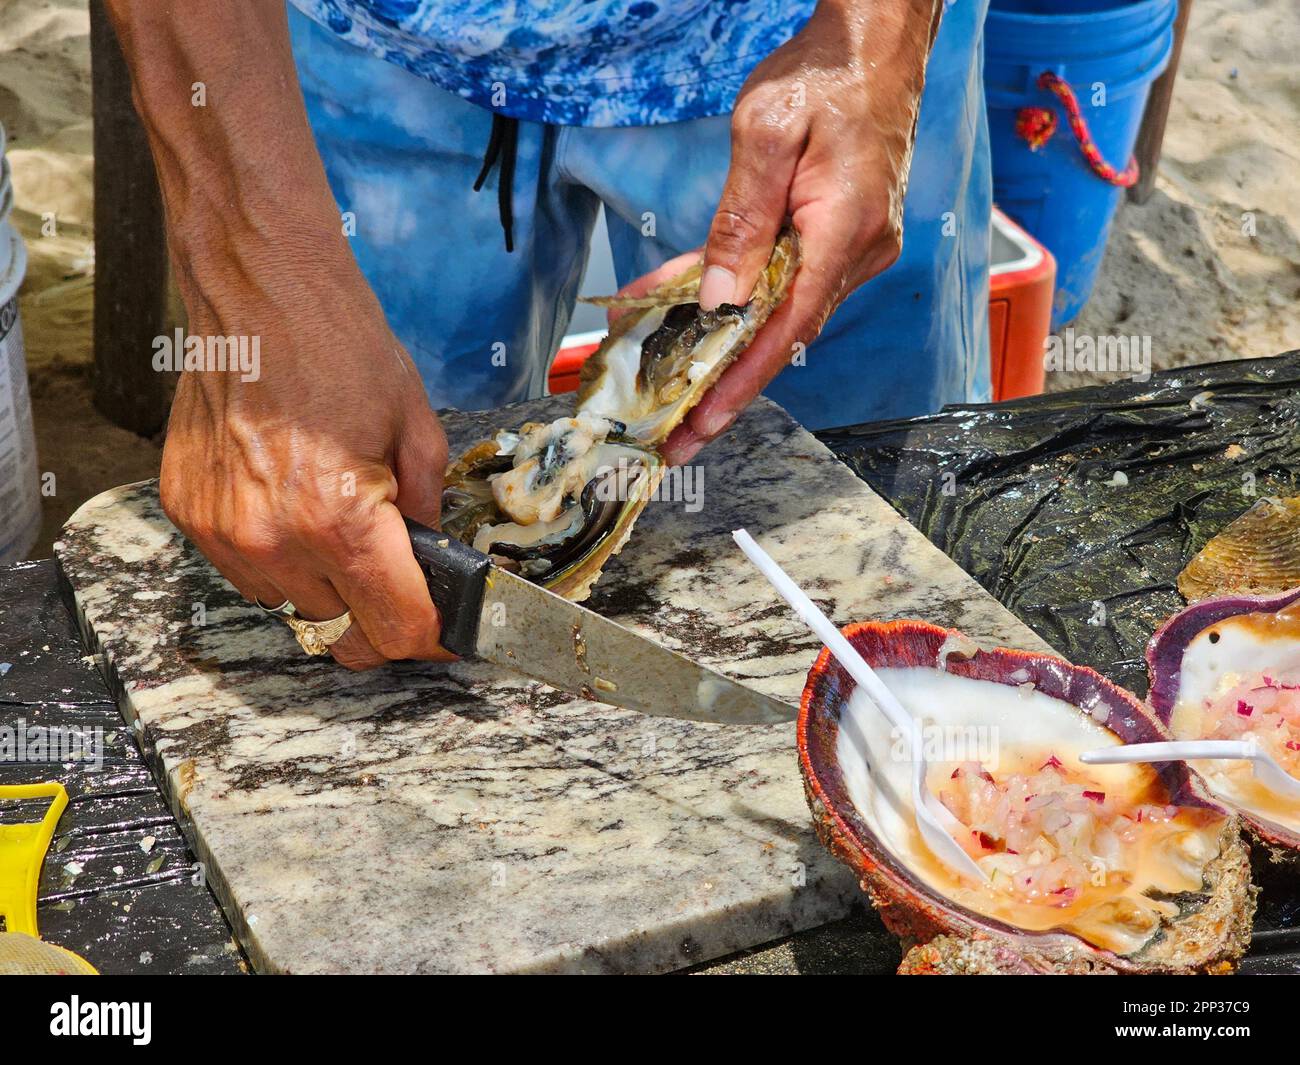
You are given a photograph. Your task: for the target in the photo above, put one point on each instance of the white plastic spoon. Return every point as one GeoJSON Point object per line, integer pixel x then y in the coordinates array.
{"type": "Point", "coordinates": [1269, 773]}
{"type": "Point", "coordinates": [932, 816]}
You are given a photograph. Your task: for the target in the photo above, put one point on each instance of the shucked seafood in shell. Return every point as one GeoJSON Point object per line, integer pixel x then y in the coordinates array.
{"type": "Point", "coordinates": [555, 502]}
{"type": "Point", "coordinates": [551, 502]}
{"type": "Point", "coordinates": [1228, 668]}
{"type": "Point", "coordinates": [1091, 869]}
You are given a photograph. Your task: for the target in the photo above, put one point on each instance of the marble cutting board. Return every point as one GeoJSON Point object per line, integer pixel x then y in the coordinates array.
{"type": "Point", "coordinates": [458, 818]}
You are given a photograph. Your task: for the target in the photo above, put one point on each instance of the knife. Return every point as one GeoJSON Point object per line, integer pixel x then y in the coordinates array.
{"type": "Point", "coordinates": [492, 614]}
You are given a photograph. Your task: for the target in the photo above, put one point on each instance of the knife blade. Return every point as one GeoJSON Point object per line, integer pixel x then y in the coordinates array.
{"type": "Point", "coordinates": [495, 615]}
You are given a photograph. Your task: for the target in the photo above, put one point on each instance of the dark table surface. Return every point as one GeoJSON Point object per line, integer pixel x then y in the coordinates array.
{"type": "Point", "coordinates": [1031, 468]}
{"type": "Point", "coordinates": [152, 916]}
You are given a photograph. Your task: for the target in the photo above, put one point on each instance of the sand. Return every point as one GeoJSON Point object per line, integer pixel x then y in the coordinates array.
{"type": "Point", "coordinates": [45, 109]}
{"type": "Point", "coordinates": [1184, 269]}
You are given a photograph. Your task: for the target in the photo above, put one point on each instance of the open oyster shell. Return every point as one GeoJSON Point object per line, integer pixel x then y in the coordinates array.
{"type": "Point", "coordinates": [657, 363]}
{"type": "Point", "coordinates": [555, 502]}
{"type": "Point", "coordinates": [1174, 898]}
{"type": "Point", "coordinates": [1256, 554]}
{"type": "Point", "coordinates": [1229, 667]}
{"type": "Point", "coordinates": [551, 502]}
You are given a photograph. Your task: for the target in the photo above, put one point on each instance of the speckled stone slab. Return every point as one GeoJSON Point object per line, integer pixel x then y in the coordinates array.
{"type": "Point", "coordinates": [458, 818]}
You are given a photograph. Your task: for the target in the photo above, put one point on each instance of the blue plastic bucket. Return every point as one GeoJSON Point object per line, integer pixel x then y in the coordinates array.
{"type": "Point", "coordinates": [1109, 52]}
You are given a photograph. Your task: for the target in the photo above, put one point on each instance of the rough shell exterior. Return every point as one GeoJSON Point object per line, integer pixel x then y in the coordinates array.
{"type": "Point", "coordinates": [1257, 554]}
{"type": "Point", "coordinates": [958, 940]}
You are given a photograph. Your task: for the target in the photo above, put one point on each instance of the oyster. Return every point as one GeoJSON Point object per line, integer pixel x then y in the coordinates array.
{"type": "Point", "coordinates": [1257, 554]}
{"type": "Point", "coordinates": [654, 366]}
{"type": "Point", "coordinates": [551, 502]}
{"type": "Point", "coordinates": [1229, 668]}
{"type": "Point", "coordinates": [1130, 871]}
{"type": "Point", "coordinates": [555, 502]}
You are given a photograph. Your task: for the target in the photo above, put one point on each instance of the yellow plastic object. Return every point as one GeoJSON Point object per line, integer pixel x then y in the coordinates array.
{"type": "Point", "coordinates": [22, 853]}
{"type": "Point", "coordinates": [24, 955]}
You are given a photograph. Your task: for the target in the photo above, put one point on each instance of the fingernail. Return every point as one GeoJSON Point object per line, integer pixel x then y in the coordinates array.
{"type": "Point", "coordinates": [718, 285]}
{"type": "Point", "coordinates": [714, 422]}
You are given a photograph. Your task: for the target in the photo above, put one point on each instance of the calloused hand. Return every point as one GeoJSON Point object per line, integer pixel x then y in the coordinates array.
{"type": "Point", "coordinates": [295, 485]}
{"type": "Point", "coordinates": [822, 133]}
{"type": "Point", "coordinates": [293, 481]}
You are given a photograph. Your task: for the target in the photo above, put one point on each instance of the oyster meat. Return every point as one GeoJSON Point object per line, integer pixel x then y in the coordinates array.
{"type": "Point", "coordinates": [555, 502]}
{"type": "Point", "coordinates": [1257, 554]}
{"type": "Point", "coordinates": [551, 502]}
{"type": "Point", "coordinates": [1229, 668]}
{"type": "Point", "coordinates": [1091, 869]}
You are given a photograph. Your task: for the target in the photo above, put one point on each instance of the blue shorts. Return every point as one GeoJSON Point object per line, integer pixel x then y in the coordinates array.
{"type": "Point", "coordinates": [483, 325]}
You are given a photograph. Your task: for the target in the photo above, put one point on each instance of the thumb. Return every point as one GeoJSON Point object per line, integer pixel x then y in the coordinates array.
{"type": "Point", "coordinates": [751, 210]}
{"type": "Point", "coordinates": [419, 463]}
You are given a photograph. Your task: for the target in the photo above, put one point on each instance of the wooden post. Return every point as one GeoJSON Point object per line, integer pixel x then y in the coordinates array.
{"type": "Point", "coordinates": [1152, 134]}
{"type": "Point", "coordinates": [130, 246]}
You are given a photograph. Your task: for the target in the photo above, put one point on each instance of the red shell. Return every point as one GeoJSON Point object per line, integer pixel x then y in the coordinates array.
{"type": "Point", "coordinates": [908, 907]}
{"type": "Point", "coordinates": [1165, 661]}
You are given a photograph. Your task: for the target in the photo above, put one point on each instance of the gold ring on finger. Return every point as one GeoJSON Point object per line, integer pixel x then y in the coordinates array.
{"type": "Point", "coordinates": [315, 637]}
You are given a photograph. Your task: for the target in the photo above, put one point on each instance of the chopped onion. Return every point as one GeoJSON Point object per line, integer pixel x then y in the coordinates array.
{"type": "Point", "coordinates": [958, 644]}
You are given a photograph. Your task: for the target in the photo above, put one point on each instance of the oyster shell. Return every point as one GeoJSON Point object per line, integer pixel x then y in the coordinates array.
{"type": "Point", "coordinates": [555, 502]}
{"type": "Point", "coordinates": [1256, 554]}
{"type": "Point", "coordinates": [1165, 883]}
{"type": "Point", "coordinates": [551, 502]}
{"type": "Point", "coordinates": [655, 365]}
{"type": "Point", "coordinates": [1229, 668]}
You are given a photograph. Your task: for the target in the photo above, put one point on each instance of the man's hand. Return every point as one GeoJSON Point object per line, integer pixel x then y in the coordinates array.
{"type": "Point", "coordinates": [822, 133]}
{"type": "Point", "coordinates": [293, 484]}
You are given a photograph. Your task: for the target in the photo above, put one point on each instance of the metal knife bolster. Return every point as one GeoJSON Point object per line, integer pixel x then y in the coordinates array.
{"type": "Point", "coordinates": [505, 619]}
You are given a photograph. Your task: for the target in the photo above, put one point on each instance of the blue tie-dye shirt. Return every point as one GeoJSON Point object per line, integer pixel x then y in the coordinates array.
{"type": "Point", "coordinates": [574, 62]}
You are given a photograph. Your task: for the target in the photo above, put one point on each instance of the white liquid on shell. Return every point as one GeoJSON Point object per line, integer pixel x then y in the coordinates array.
{"type": "Point", "coordinates": [1022, 727]}
{"type": "Point", "coordinates": [1245, 646]}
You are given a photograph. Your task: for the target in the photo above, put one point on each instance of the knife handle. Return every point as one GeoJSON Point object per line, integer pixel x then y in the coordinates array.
{"type": "Point", "coordinates": [457, 576]}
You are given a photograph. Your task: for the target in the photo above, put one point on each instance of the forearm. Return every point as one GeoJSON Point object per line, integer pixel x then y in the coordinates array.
{"type": "Point", "coordinates": [892, 35]}
{"type": "Point", "coordinates": [240, 176]}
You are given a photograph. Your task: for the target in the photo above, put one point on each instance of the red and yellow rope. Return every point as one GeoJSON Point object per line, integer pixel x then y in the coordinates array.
{"type": "Point", "coordinates": [1037, 124]}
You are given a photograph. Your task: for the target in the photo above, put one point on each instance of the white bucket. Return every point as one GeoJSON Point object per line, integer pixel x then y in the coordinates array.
{"type": "Point", "coordinates": [20, 497]}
